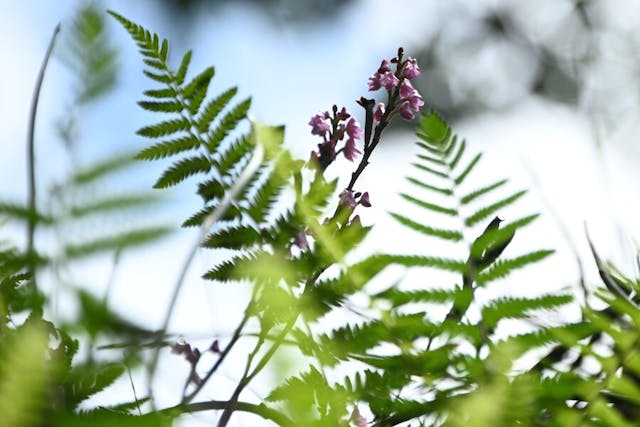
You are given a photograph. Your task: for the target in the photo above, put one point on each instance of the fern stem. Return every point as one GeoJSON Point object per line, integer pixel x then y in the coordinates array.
{"type": "Point", "coordinates": [31, 156]}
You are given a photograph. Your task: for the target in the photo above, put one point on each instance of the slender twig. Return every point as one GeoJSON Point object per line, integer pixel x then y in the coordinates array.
{"type": "Point", "coordinates": [236, 335]}
{"type": "Point", "coordinates": [133, 388]}
{"type": "Point", "coordinates": [31, 156]}
{"type": "Point", "coordinates": [261, 410]}
{"type": "Point", "coordinates": [210, 220]}
{"type": "Point", "coordinates": [232, 403]}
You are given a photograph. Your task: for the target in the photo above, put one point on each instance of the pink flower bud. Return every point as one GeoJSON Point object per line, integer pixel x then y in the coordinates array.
{"type": "Point", "coordinates": [318, 124]}
{"type": "Point", "coordinates": [410, 69]}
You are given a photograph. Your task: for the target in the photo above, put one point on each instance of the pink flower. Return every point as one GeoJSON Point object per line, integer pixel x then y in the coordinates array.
{"type": "Point", "coordinates": [350, 150]}
{"type": "Point", "coordinates": [347, 199]}
{"type": "Point", "coordinates": [410, 69]}
{"type": "Point", "coordinates": [301, 240]}
{"type": "Point", "coordinates": [319, 125]}
{"type": "Point", "coordinates": [384, 67]}
{"type": "Point", "coordinates": [383, 78]}
{"type": "Point", "coordinates": [364, 200]}
{"type": "Point", "coordinates": [411, 100]}
{"type": "Point", "coordinates": [353, 129]}
{"type": "Point", "coordinates": [377, 115]}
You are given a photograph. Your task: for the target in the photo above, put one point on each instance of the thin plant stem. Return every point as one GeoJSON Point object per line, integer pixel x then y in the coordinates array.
{"type": "Point", "coordinates": [210, 220]}
{"type": "Point", "coordinates": [31, 157]}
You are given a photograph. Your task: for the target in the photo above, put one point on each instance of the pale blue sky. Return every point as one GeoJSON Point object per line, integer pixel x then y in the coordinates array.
{"type": "Point", "coordinates": [291, 73]}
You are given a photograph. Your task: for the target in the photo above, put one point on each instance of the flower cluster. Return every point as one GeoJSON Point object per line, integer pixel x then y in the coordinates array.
{"type": "Point", "coordinates": [351, 199]}
{"type": "Point", "coordinates": [334, 128]}
{"type": "Point", "coordinates": [403, 97]}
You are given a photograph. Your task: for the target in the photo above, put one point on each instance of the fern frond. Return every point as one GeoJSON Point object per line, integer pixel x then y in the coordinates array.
{"type": "Point", "coordinates": [463, 175]}
{"type": "Point", "coordinates": [228, 123]}
{"type": "Point", "coordinates": [425, 261]}
{"type": "Point", "coordinates": [240, 237]}
{"type": "Point", "coordinates": [429, 206]}
{"type": "Point", "coordinates": [169, 148]}
{"type": "Point", "coordinates": [398, 297]}
{"type": "Point", "coordinates": [234, 153]}
{"type": "Point", "coordinates": [502, 268]}
{"type": "Point", "coordinates": [214, 107]}
{"type": "Point", "coordinates": [196, 90]}
{"type": "Point", "coordinates": [464, 200]}
{"type": "Point", "coordinates": [183, 169]}
{"type": "Point", "coordinates": [161, 106]}
{"type": "Point", "coordinates": [116, 242]}
{"type": "Point", "coordinates": [452, 235]}
{"type": "Point", "coordinates": [520, 308]}
{"type": "Point", "coordinates": [487, 211]}
{"type": "Point", "coordinates": [167, 127]}
{"type": "Point", "coordinates": [426, 186]}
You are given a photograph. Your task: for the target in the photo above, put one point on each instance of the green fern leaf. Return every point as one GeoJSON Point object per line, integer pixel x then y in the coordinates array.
{"type": "Point", "coordinates": [432, 171]}
{"type": "Point", "coordinates": [451, 235]}
{"type": "Point", "coordinates": [116, 242]}
{"type": "Point", "coordinates": [453, 164]}
{"type": "Point", "coordinates": [468, 169]}
{"type": "Point", "coordinates": [196, 90]}
{"type": "Point", "coordinates": [88, 379]}
{"type": "Point", "coordinates": [160, 78]}
{"type": "Point", "coordinates": [228, 123]}
{"type": "Point", "coordinates": [214, 107]}
{"type": "Point", "coordinates": [425, 261]}
{"type": "Point", "coordinates": [183, 169]}
{"type": "Point", "coordinates": [161, 106]}
{"type": "Point", "coordinates": [502, 268]}
{"type": "Point", "coordinates": [165, 93]}
{"type": "Point", "coordinates": [165, 128]}
{"type": "Point", "coordinates": [427, 186]}
{"type": "Point", "coordinates": [429, 206]}
{"type": "Point", "coordinates": [182, 70]}
{"type": "Point", "coordinates": [492, 209]}
{"type": "Point", "coordinates": [116, 203]}
{"type": "Point", "coordinates": [465, 200]}
{"type": "Point", "coordinates": [211, 189]}
{"type": "Point", "coordinates": [169, 148]}
{"type": "Point", "coordinates": [520, 308]}
{"type": "Point", "coordinates": [101, 169]}
{"type": "Point", "coordinates": [234, 154]}
{"type": "Point", "coordinates": [399, 298]}
{"type": "Point", "coordinates": [239, 237]}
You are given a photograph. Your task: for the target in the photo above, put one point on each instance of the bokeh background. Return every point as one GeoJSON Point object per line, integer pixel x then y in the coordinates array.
{"type": "Point", "coordinates": [548, 90]}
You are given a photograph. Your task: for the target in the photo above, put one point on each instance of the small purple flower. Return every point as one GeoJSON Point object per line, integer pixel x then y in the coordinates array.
{"type": "Point", "coordinates": [319, 125]}
{"type": "Point", "coordinates": [411, 100]}
{"type": "Point", "coordinates": [350, 150]}
{"type": "Point", "coordinates": [377, 115]}
{"type": "Point", "coordinates": [353, 129]}
{"type": "Point", "coordinates": [411, 69]}
{"type": "Point", "coordinates": [347, 199]}
{"type": "Point", "coordinates": [357, 418]}
{"type": "Point", "coordinates": [301, 240]}
{"type": "Point", "coordinates": [364, 200]}
{"type": "Point", "coordinates": [384, 77]}
{"type": "Point", "coordinates": [384, 67]}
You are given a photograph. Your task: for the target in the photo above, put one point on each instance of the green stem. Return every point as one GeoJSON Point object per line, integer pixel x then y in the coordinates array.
{"type": "Point", "coordinates": [31, 157]}
{"type": "Point", "coordinates": [261, 410]}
